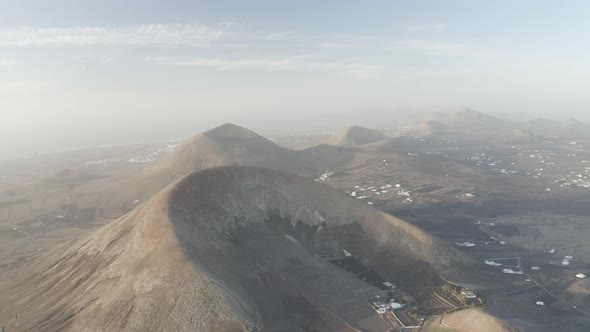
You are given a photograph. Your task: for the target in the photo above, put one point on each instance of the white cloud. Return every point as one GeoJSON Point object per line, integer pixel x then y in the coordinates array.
{"type": "Point", "coordinates": [351, 69]}
{"type": "Point", "coordinates": [342, 45]}
{"type": "Point", "coordinates": [97, 58]}
{"type": "Point", "coordinates": [138, 35]}
{"type": "Point", "coordinates": [220, 35]}
{"type": "Point", "coordinates": [424, 27]}
{"type": "Point", "coordinates": [17, 87]}
{"type": "Point", "coordinates": [335, 42]}
{"type": "Point", "coordinates": [104, 59]}
{"type": "Point", "coordinates": [279, 36]}
{"type": "Point", "coordinates": [439, 48]}
{"type": "Point", "coordinates": [7, 63]}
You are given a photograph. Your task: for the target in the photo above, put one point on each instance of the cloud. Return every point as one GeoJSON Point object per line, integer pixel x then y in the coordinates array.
{"type": "Point", "coordinates": [424, 27]}
{"type": "Point", "coordinates": [449, 49]}
{"type": "Point", "coordinates": [7, 63]}
{"type": "Point", "coordinates": [195, 35]}
{"type": "Point", "coordinates": [333, 41]}
{"type": "Point", "coordinates": [18, 87]}
{"type": "Point", "coordinates": [342, 45]}
{"type": "Point", "coordinates": [221, 35]}
{"type": "Point", "coordinates": [279, 36]}
{"type": "Point", "coordinates": [304, 62]}
{"type": "Point", "coordinates": [97, 58]}
{"type": "Point", "coordinates": [104, 59]}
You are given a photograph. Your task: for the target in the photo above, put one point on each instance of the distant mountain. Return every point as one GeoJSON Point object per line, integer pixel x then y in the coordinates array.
{"type": "Point", "coordinates": [543, 123]}
{"type": "Point", "coordinates": [460, 123]}
{"type": "Point", "coordinates": [428, 128]}
{"type": "Point", "coordinates": [470, 120]}
{"type": "Point", "coordinates": [230, 144]}
{"type": "Point", "coordinates": [355, 136]}
{"type": "Point", "coordinates": [476, 124]}
{"type": "Point", "coordinates": [574, 128]}
{"type": "Point", "coordinates": [569, 128]}
{"type": "Point", "coordinates": [399, 144]}
{"type": "Point", "coordinates": [224, 249]}
{"type": "Point", "coordinates": [522, 136]}
{"type": "Point", "coordinates": [227, 144]}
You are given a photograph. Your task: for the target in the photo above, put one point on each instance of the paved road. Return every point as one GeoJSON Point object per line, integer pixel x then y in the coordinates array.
{"type": "Point", "coordinates": [573, 306]}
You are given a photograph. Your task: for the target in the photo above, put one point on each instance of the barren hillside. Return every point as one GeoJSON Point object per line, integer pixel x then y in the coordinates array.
{"type": "Point", "coordinates": [355, 136]}
{"type": "Point", "coordinates": [226, 248]}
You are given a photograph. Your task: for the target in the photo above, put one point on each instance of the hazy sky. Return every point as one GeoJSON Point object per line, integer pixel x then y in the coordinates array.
{"type": "Point", "coordinates": [76, 73]}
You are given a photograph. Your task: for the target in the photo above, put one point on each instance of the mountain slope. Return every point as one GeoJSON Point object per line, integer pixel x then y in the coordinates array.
{"type": "Point", "coordinates": [227, 248]}
{"type": "Point", "coordinates": [469, 320]}
{"type": "Point", "coordinates": [428, 128]}
{"type": "Point", "coordinates": [569, 128]}
{"type": "Point", "coordinates": [400, 144]}
{"type": "Point", "coordinates": [355, 136]}
{"type": "Point", "coordinates": [522, 136]}
{"type": "Point", "coordinates": [227, 144]}
{"type": "Point", "coordinates": [233, 145]}
{"type": "Point", "coordinates": [222, 146]}
{"type": "Point", "coordinates": [469, 121]}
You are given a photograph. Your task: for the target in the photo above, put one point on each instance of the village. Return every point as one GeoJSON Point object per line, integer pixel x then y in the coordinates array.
{"type": "Point", "coordinates": [393, 303]}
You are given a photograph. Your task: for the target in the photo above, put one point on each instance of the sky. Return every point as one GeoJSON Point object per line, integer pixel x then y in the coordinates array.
{"type": "Point", "coordinates": [85, 73]}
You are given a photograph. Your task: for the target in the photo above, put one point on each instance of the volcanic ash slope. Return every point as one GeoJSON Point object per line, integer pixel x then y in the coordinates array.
{"type": "Point", "coordinates": [208, 253]}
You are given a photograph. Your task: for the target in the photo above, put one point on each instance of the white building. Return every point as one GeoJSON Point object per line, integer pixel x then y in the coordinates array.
{"type": "Point", "coordinates": [468, 294]}
{"type": "Point", "coordinates": [388, 284]}
{"type": "Point", "coordinates": [492, 263]}
{"type": "Point", "coordinates": [394, 305]}
{"type": "Point", "coordinates": [465, 244]}
{"type": "Point", "coordinates": [511, 271]}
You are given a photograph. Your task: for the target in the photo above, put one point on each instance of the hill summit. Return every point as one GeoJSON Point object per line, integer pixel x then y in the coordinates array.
{"type": "Point", "coordinates": [229, 131]}
{"type": "Point", "coordinates": [227, 144]}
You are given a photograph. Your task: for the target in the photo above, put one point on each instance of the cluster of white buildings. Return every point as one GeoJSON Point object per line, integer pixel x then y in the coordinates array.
{"type": "Point", "coordinates": [571, 179]}
{"type": "Point", "coordinates": [364, 192]}
{"type": "Point", "coordinates": [508, 269]}
{"type": "Point", "coordinates": [324, 177]}
{"type": "Point", "coordinates": [388, 284]}
{"type": "Point", "coordinates": [512, 271]}
{"type": "Point", "coordinates": [468, 294]}
{"type": "Point", "coordinates": [382, 307]}
{"type": "Point", "coordinates": [481, 159]}
{"type": "Point", "coordinates": [465, 244]}
{"type": "Point", "coordinates": [152, 155]}
{"type": "Point", "coordinates": [492, 263]}
{"type": "Point", "coordinates": [576, 179]}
